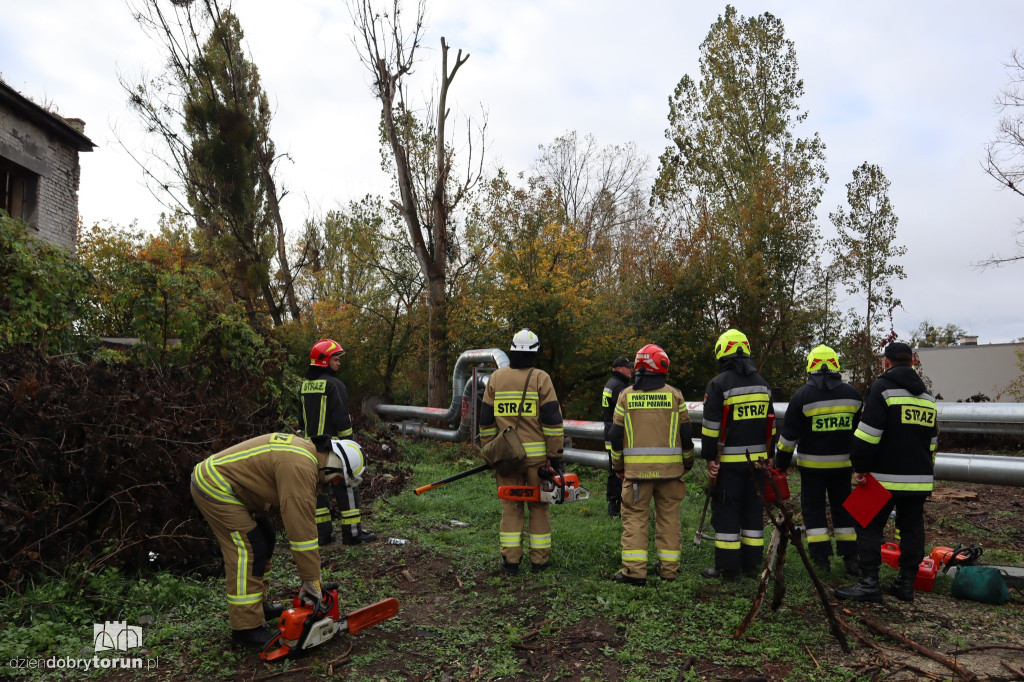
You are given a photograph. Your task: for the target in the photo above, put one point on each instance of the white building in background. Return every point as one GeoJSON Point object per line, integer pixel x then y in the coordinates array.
{"type": "Point", "coordinates": [959, 372]}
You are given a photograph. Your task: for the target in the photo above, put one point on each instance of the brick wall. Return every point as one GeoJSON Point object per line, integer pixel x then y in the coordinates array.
{"type": "Point", "coordinates": [25, 143]}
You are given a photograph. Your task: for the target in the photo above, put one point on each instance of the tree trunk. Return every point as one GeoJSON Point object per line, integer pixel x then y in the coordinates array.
{"type": "Point", "coordinates": [437, 365]}
{"type": "Point", "coordinates": [282, 252]}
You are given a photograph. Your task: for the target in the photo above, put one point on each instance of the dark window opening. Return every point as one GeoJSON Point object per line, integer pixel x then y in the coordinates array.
{"type": "Point", "coordinates": [18, 191]}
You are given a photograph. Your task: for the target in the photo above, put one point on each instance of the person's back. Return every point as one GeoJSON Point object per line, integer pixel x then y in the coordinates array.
{"type": "Point", "coordinates": [740, 395]}
{"type": "Point", "coordinates": [819, 426]}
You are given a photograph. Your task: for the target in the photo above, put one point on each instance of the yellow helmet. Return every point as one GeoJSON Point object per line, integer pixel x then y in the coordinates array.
{"type": "Point", "coordinates": [822, 357]}
{"type": "Point", "coordinates": [731, 342]}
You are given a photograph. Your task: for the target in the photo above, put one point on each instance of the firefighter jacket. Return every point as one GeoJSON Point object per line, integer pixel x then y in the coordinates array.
{"type": "Point", "coordinates": [324, 405]}
{"type": "Point", "coordinates": [748, 396]}
{"type": "Point", "coordinates": [821, 417]}
{"type": "Point", "coordinates": [540, 428]}
{"type": "Point", "coordinates": [274, 472]}
{"type": "Point", "coordinates": [651, 435]}
{"type": "Point", "coordinates": [609, 399]}
{"type": "Point", "coordinates": [898, 433]}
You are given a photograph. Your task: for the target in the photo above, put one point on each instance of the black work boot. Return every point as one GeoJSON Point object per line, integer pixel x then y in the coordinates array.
{"type": "Point", "coordinates": [254, 637]}
{"type": "Point", "coordinates": [851, 564]}
{"type": "Point", "coordinates": [272, 610]}
{"type": "Point", "coordinates": [715, 572]}
{"type": "Point", "coordinates": [614, 507]}
{"type": "Point", "coordinates": [625, 579]}
{"type": "Point", "coordinates": [867, 589]}
{"type": "Point", "coordinates": [508, 568]}
{"type": "Point", "coordinates": [359, 536]}
{"type": "Point", "coordinates": [902, 587]}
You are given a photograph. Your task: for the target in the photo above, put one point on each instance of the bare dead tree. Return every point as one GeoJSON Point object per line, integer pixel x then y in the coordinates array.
{"type": "Point", "coordinates": [1004, 160]}
{"type": "Point", "coordinates": [428, 194]}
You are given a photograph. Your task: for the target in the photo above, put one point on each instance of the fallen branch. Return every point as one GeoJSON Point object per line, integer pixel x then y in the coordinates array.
{"type": "Point", "coordinates": [1017, 671]}
{"type": "Point", "coordinates": [919, 648]}
{"type": "Point", "coordinates": [983, 647]}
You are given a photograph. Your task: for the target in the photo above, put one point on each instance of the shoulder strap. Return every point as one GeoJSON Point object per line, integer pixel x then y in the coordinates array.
{"type": "Point", "coordinates": [522, 400]}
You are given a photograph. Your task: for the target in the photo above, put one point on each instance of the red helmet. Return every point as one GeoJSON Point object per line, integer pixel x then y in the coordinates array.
{"type": "Point", "coordinates": [652, 358]}
{"type": "Point", "coordinates": [322, 352]}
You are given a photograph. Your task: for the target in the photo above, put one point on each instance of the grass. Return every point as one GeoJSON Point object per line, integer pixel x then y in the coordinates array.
{"type": "Point", "coordinates": [461, 617]}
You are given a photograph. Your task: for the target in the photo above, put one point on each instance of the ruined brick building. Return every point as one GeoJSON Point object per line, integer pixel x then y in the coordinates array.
{"type": "Point", "coordinates": [39, 170]}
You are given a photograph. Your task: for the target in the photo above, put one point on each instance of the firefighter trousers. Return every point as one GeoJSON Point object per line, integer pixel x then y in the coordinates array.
{"type": "Point", "coordinates": [668, 531]}
{"type": "Point", "coordinates": [246, 545]}
{"type": "Point", "coordinates": [815, 486]}
{"type": "Point", "coordinates": [910, 512]}
{"type": "Point", "coordinates": [738, 519]}
{"type": "Point", "coordinates": [513, 519]}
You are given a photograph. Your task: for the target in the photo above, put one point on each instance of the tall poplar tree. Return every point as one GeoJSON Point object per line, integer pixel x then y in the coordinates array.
{"type": "Point", "coordinates": [214, 159]}
{"type": "Point", "coordinates": [742, 188]}
{"type": "Point", "coordinates": [864, 259]}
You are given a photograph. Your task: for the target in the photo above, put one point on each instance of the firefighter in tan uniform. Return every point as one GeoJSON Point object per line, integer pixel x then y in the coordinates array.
{"type": "Point", "coordinates": [235, 489]}
{"type": "Point", "coordinates": [540, 429]}
{"type": "Point", "coordinates": [652, 447]}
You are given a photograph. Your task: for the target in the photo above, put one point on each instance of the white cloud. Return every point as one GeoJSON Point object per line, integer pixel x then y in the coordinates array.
{"type": "Point", "coordinates": [908, 86]}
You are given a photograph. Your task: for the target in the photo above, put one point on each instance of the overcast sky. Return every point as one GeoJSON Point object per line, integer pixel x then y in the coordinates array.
{"type": "Point", "coordinates": [909, 86]}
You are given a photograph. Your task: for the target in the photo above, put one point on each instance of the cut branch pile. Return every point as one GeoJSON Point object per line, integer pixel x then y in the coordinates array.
{"type": "Point", "coordinates": [96, 458]}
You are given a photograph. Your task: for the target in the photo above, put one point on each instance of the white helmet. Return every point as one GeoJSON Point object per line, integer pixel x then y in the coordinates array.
{"type": "Point", "coordinates": [525, 340]}
{"type": "Point", "coordinates": [348, 456]}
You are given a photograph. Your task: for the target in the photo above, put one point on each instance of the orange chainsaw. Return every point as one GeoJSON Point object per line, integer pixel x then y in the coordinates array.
{"type": "Point", "coordinates": [549, 490]}
{"type": "Point", "coordinates": [304, 627]}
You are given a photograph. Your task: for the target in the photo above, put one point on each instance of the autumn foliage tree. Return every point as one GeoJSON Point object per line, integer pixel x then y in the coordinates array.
{"type": "Point", "coordinates": [741, 188]}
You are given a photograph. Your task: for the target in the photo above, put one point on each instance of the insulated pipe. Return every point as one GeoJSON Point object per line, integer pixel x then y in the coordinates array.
{"type": "Point", "coordinates": [454, 412]}
{"type": "Point", "coordinates": [984, 418]}
{"type": "Point", "coordinates": [949, 466]}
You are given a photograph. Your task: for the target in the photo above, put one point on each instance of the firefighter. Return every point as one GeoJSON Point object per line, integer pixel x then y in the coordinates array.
{"type": "Point", "coordinates": [235, 490]}
{"type": "Point", "coordinates": [736, 511]}
{"type": "Point", "coordinates": [895, 441]}
{"type": "Point", "coordinates": [651, 417]}
{"type": "Point", "coordinates": [622, 372]}
{"type": "Point", "coordinates": [324, 412]}
{"type": "Point", "coordinates": [540, 430]}
{"type": "Point", "coordinates": [821, 417]}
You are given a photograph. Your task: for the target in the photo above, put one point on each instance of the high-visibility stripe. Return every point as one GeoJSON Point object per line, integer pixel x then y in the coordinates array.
{"type": "Point", "coordinates": [823, 461]}
{"type": "Point", "coordinates": [786, 445]}
{"type": "Point", "coordinates": [842, 406]}
{"type": "Point", "coordinates": [511, 539]}
{"type": "Point", "coordinates": [242, 565]}
{"type": "Point", "coordinates": [304, 545]}
{"type": "Point", "coordinates": [727, 540]}
{"type": "Point", "coordinates": [845, 534]}
{"type": "Point", "coordinates": [707, 424]}
{"type": "Point", "coordinates": [752, 542]}
{"type": "Point", "coordinates": [553, 431]}
{"type": "Point", "coordinates": [505, 395]}
{"type": "Point", "coordinates": [323, 514]}
{"type": "Point", "coordinates": [536, 449]}
{"type": "Point", "coordinates": [489, 430]}
{"type": "Point", "coordinates": [754, 456]}
{"type": "Point", "coordinates": [350, 517]}
{"type": "Point", "coordinates": [817, 534]}
{"type": "Point", "coordinates": [634, 555]}
{"type": "Point", "coordinates": [905, 482]}
{"type": "Point", "coordinates": [654, 459]}
{"type": "Point", "coordinates": [540, 541]}
{"type": "Point", "coordinates": [867, 434]}
{"type": "Point", "coordinates": [669, 555]}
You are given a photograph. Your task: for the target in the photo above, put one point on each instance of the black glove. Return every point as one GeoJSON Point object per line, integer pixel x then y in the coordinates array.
{"type": "Point", "coordinates": [783, 459]}
{"type": "Point", "coordinates": [557, 465]}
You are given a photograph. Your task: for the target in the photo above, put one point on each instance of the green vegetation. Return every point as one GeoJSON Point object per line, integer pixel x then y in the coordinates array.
{"type": "Point", "coordinates": [459, 615]}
